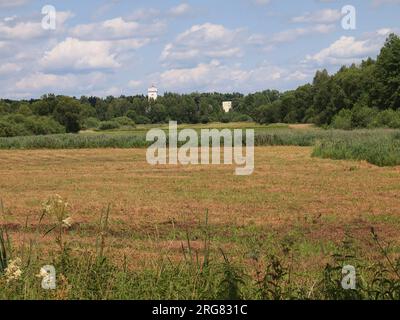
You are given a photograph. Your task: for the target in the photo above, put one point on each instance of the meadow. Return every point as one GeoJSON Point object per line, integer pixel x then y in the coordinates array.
{"type": "Point", "coordinates": [134, 231]}
{"type": "Point", "coordinates": [378, 146]}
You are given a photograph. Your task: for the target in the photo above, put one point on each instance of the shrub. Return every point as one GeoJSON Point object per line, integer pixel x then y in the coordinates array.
{"type": "Point", "coordinates": [238, 117]}
{"type": "Point", "coordinates": [43, 126]}
{"type": "Point", "coordinates": [204, 119]}
{"type": "Point", "coordinates": [20, 125]}
{"type": "Point", "coordinates": [90, 123]}
{"type": "Point", "coordinates": [131, 114]}
{"type": "Point", "coordinates": [143, 120]}
{"type": "Point", "coordinates": [8, 129]}
{"type": "Point", "coordinates": [362, 117]}
{"type": "Point", "coordinates": [387, 119]}
{"type": "Point", "coordinates": [269, 113]}
{"type": "Point", "coordinates": [108, 125]}
{"type": "Point", "coordinates": [343, 120]}
{"type": "Point", "coordinates": [382, 119]}
{"type": "Point", "coordinates": [395, 121]}
{"type": "Point", "coordinates": [124, 121]}
{"type": "Point", "coordinates": [225, 118]}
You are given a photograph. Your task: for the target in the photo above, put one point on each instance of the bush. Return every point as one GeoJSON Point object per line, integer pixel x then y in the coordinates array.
{"type": "Point", "coordinates": [387, 119]}
{"type": "Point", "coordinates": [124, 121]}
{"type": "Point", "coordinates": [238, 117]}
{"type": "Point", "coordinates": [131, 114]}
{"type": "Point", "coordinates": [90, 123]}
{"type": "Point", "coordinates": [395, 122]}
{"type": "Point", "coordinates": [269, 113]}
{"type": "Point", "coordinates": [20, 125]}
{"type": "Point", "coordinates": [225, 118]}
{"type": "Point", "coordinates": [363, 117]}
{"type": "Point", "coordinates": [43, 126]}
{"type": "Point", "coordinates": [343, 120]}
{"type": "Point", "coordinates": [9, 129]}
{"type": "Point", "coordinates": [108, 125]}
{"type": "Point", "coordinates": [142, 120]}
{"type": "Point", "coordinates": [205, 119]}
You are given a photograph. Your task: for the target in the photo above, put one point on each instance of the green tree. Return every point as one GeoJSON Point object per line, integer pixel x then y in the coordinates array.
{"type": "Point", "coordinates": [67, 112]}
{"type": "Point", "coordinates": [158, 113]}
{"type": "Point", "coordinates": [386, 90]}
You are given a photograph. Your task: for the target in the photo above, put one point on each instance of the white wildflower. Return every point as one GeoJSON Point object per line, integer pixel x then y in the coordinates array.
{"type": "Point", "coordinates": [13, 270]}
{"type": "Point", "coordinates": [67, 223]}
{"type": "Point", "coordinates": [42, 273]}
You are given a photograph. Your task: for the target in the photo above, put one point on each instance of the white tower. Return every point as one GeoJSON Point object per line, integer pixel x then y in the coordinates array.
{"type": "Point", "coordinates": [152, 93]}
{"type": "Point", "coordinates": [227, 106]}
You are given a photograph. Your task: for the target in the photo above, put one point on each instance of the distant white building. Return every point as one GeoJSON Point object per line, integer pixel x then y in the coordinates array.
{"type": "Point", "coordinates": [152, 93]}
{"type": "Point", "coordinates": [227, 106]}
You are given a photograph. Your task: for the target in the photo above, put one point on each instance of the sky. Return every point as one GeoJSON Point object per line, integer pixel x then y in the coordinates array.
{"type": "Point", "coordinates": [122, 47]}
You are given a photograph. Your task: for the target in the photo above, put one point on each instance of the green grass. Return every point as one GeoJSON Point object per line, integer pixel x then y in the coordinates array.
{"type": "Point", "coordinates": [379, 147]}
{"type": "Point", "coordinates": [375, 147]}
{"type": "Point", "coordinates": [74, 141]}
{"type": "Point", "coordinates": [268, 271]}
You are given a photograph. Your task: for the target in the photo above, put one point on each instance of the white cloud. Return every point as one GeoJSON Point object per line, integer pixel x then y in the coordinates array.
{"type": "Point", "coordinates": [293, 34]}
{"type": "Point", "coordinates": [43, 82]}
{"type": "Point", "coordinates": [144, 14]}
{"type": "Point", "coordinates": [9, 19]}
{"type": "Point", "coordinates": [180, 10]}
{"type": "Point", "coordinates": [21, 31]}
{"type": "Point", "coordinates": [346, 50]}
{"type": "Point", "coordinates": [203, 41]}
{"type": "Point", "coordinates": [27, 30]}
{"type": "Point", "coordinates": [217, 76]}
{"type": "Point", "coordinates": [321, 16]}
{"type": "Point", "coordinates": [270, 42]}
{"type": "Point", "coordinates": [9, 68]}
{"type": "Point", "coordinates": [74, 54]}
{"type": "Point", "coordinates": [80, 55]}
{"type": "Point", "coordinates": [115, 29]}
{"type": "Point", "coordinates": [135, 83]}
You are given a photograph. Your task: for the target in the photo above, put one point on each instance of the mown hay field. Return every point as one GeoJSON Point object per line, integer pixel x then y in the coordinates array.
{"type": "Point", "coordinates": [315, 204]}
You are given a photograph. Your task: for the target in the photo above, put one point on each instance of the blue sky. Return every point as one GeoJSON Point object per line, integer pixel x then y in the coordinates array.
{"type": "Point", "coordinates": [122, 47]}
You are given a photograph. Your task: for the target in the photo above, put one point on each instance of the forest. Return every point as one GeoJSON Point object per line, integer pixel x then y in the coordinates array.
{"type": "Point", "coordinates": [365, 95]}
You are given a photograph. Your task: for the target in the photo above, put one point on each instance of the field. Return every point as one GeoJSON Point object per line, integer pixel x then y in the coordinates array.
{"type": "Point", "coordinates": [298, 210]}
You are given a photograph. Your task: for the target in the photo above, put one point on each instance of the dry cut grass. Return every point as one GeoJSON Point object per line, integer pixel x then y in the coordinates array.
{"type": "Point", "coordinates": [319, 202]}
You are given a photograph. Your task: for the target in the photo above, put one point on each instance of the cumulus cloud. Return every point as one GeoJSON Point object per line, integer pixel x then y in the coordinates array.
{"type": "Point", "coordinates": [349, 50]}
{"type": "Point", "coordinates": [44, 82]}
{"type": "Point", "coordinates": [9, 68]}
{"type": "Point", "coordinates": [114, 29]}
{"type": "Point", "coordinates": [17, 29]}
{"type": "Point", "coordinates": [217, 76]}
{"type": "Point", "coordinates": [203, 42]}
{"type": "Point", "coordinates": [81, 55]}
{"type": "Point", "coordinates": [286, 36]}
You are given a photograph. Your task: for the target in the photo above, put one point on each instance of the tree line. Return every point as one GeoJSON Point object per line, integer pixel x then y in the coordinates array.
{"type": "Point", "coordinates": [357, 96]}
